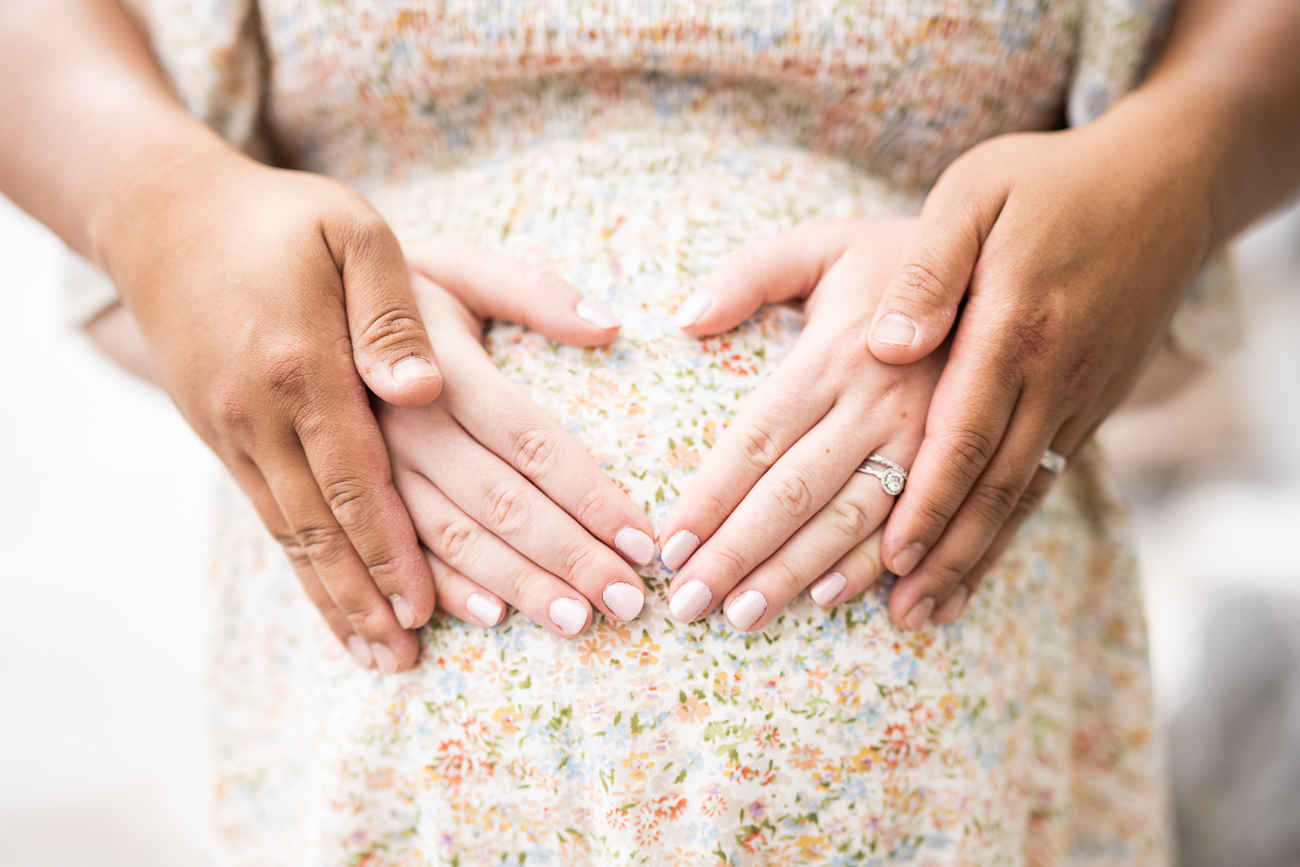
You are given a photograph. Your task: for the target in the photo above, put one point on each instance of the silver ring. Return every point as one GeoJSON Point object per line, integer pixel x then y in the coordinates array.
{"type": "Point", "coordinates": [1053, 462]}
{"type": "Point", "coordinates": [892, 478]}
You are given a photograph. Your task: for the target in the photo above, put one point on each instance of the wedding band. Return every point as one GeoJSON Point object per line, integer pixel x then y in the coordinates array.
{"type": "Point", "coordinates": [1053, 462]}
{"type": "Point", "coordinates": [892, 478]}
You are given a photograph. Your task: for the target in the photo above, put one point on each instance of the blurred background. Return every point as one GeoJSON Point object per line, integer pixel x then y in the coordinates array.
{"type": "Point", "coordinates": [105, 538]}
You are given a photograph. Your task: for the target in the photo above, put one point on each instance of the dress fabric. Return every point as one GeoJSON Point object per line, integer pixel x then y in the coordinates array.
{"type": "Point", "coordinates": [628, 146]}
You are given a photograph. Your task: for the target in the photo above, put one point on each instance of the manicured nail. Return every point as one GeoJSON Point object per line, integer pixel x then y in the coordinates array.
{"type": "Point", "coordinates": [384, 658]}
{"type": "Point", "coordinates": [624, 600]}
{"type": "Point", "coordinates": [360, 651]}
{"type": "Point", "coordinates": [405, 614]}
{"type": "Point", "coordinates": [746, 608]}
{"type": "Point", "coordinates": [568, 614]}
{"type": "Point", "coordinates": [827, 587]}
{"type": "Point", "coordinates": [692, 309]}
{"type": "Point", "coordinates": [690, 601]}
{"type": "Point", "coordinates": [635, 545]}
{"type": "Point", "coordinates": [679, 549]}
{"type": "Point", "coordinates": [920, 613]}
{"type": "Point", "coordinates": [597, 314]}
{"type": "Point", "coordinates": [484, 609]}
{"type": "Point", "coordinates": [413, 368]}
{"type": "Point", "coordinates": [953, 606]}
{"type": "Point", "coordinates": [907, 559]}
{"type": "Point", "coordinates": [895, 329]}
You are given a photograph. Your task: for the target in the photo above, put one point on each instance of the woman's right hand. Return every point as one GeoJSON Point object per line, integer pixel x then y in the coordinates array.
{"type": "Point", "coordinates": [510, 508]}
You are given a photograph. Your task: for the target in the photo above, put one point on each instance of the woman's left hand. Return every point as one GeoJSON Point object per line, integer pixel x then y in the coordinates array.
{"type": "Point", "coordinates": [777, 504]}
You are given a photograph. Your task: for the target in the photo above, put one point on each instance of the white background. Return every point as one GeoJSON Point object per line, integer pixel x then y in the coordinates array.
{"type": "Point", "coordinates": [105, 525]}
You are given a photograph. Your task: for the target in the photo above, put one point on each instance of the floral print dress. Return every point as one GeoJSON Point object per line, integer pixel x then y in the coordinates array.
{"type": "Point", "coordinates": [629, 146]}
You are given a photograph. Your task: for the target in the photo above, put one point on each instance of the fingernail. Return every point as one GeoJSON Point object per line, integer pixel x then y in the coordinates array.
{"type": "Point", "coordinates": [635, 545]}
{"type": "Point", "coordinates": [405, 614]}
{"type": "Point", "coordinates": [746, 608]}
{"type": "Point", "coordinates": [920, 613]}
{"type": "Point", "coordinates": [597, 314]}
{"type": "Point", "coordinates": [692, 309]}
{"type": "Point", "coordinates": [827, 588]}
{"type": "Point", "coordinates": [484, 609]}
{"type": "Point", "coordinates": [360, 651]}
{"type": "Point", "coordinates": [413, 368]}
{"type": "Point", "coordinates": [569, 615]}
{"type": "Point", "coordinates": [690, 601]}
{"type": "Point", "coordinates": [895, 329]}
{"type": "Point", "coordinates": [907, 559]}
{"type": "Point", "coordinates": [624, 600]}
{"type": "Point", "coordinates": [679, 549]}
{"type": "Point", "coordinates": [953, 606]}
{"type": "Point", "coordinates": [384, 658]}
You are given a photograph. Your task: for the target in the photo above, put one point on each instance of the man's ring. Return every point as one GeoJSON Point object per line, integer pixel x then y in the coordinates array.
{"type": "Point", "coordinates": [892, 478]}
{"type": "Point", "coordinates": [1053, 462]}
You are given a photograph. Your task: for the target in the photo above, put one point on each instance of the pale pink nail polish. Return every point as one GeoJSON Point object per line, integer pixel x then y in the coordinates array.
{"type": "Point", "coordinates": [679, 549]}
{"type": "Point", "coordinates": [907, 559]}
{"type": "Point", "coordinates": [404, 613]}
{"type": "Point", "coordinates": [919, 614]}
{"type": "Point", "coordinates": [690, 600]}
{"type": "Point", "coordinates": [827, 587]}
{"type": "Point", "coordinates": [895, 329]}
{"type": "Point", "coordinates": [568, 614]}
{"type": "Point", "coordinates": [746, 608]}
{"type": "Point", "coordinates": [635, 545]}
{"type": "Point", "coordinates": [486, 610]}
{"type": "Point", "coordinates": [624, 600]}
{"type": "Point", "coordinates": [384, 658]}
{"type": "Point", "coordinates": [413, 368]}
{"type": "Point", "coordinates": [692, 309]}
{"type": "Point", "coordinates": [596, 313]}
{"type": "Point", "coordinates": [360, 651]}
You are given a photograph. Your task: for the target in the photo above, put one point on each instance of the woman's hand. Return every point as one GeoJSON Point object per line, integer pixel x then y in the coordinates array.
{"type": "Point", "coordinates": [509, 507]}
{"type": "Point", "coordinates": [1072, 250]}
{"type": "Point", "coordinates": [777, 504]}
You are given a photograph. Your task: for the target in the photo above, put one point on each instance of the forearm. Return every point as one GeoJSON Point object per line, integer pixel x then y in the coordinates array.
{"type": "Point", "coordinates": [89, 119]}
{"type": "Point", "coordinates": [1226, 96]}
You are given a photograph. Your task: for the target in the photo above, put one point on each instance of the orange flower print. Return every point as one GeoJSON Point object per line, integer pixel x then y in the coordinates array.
{"type": "Point", "coordinates": [648, 690]}
{"type": "Point", "coordinates": [767, 737]}
{"type": "Point", "coordinates": [816, 676]}
{"type": "Point", "coordinates": [846, 692]}
{"type": "Point", "coordinates": [680, 857]}
{"type": "Point", "coordinates": [724, 689]}
{"type": "Point", "coordinates": [645, 655]}
{"type": "Point", "coordinates": [611, 631]}
{"type": "Point", "coordinates": [508, 718]}
{"type": "Point", "coordinates": [693, 710]}
{"type": "Point", "coordinates": [709, 433]}
{"type": "Point", "coordinates": [773, 692]}
{"type": "Point", "coordinates": [665, 742]}
{"type": "Point", "coordinates": [639, 763]}
{"type": "Point", "coordinates": [603, 386]}
{"type": "Point", "coordinates": [635, 438]}
{"type": "Point", "coordinates": [593, 652]}
{"type": "Point", "coordinates": [806, 758]}
{"type": "Point", "coordinates": [681, 456]}
{"type": "Point", "coordinates": [582, 404]}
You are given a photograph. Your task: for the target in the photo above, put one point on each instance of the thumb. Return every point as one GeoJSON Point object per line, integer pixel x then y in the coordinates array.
{"type": "Point", "coordinates": [920, 302]}
{"type": "Point", "coordinates": [789, 265]}
{"type": "Point", "coordinates": [497, 287]}
{"type": "Point", "coordinates": [390, 347]}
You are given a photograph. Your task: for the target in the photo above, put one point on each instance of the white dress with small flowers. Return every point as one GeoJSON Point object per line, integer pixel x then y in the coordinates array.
{"type": "Point", "coordinates": [629, 146]}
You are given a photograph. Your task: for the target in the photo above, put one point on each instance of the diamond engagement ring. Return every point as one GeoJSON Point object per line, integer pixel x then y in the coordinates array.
{"type": "Point", "coordinates": [892, 478]}
{"type": "Point", "coordinates": [1053, 462]}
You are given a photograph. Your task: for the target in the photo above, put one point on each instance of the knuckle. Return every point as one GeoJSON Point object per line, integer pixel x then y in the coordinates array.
{"type": "Point", "coordinates": [994, 500]}
{"type": "Point", "coordinates": [581, 559]}
{"type": "Point", "coordinates": [294, 550]}
{"type": "Point", "coordinates": [945, 574]}
{"type": "Point", "coordinates": [322, 543]}
{"type": "Point", "coordinates": [386, 571]}
{"type": "Point", "coordinates": [369, 621]}
{"type": "Point", "coordinates": [968, 452]}
{"type": "Point", "coordinates": [396, 328]}
{"type": "Point", "coordinates": [758, 445]}
{"type": "Point", "coordinates": [734, 565]}
{"type": "Point", "coordinates": [793, 495]}
{"type": "Point", "coordinates": [507, 507]}
{"type": "Point", "coordinates": [921, 282]}
{"type": "Point", "coordinates": [850, 519]}
{"type": "Point", "coordinates": [533, 450]}
{"type": "Point", "coordinates": [457, 539]}
{"type": "Point", "coordinates": [234, 411]}
{"type": "Point", "coordinates": [288, 372]}
{"type": "Point", "coordinates": [591, 504]}
{"type": "Point", "coordinates": [780, 572]}
{"type": "Point", "coordinates": [347, 498]}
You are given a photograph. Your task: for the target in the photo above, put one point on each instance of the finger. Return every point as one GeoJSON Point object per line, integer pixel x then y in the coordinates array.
{"type": "Point", "coordinates": [501, 288]}
{"type": "Point", "coordinates": [506, 504]}
{"type": "Point", "coordinates": [982, 514]}
{"type": "Point", "coordinates": [500, 416]}
{"type": "Point", "coordinates": [787, 266]}
{"type": "Point", "coordinates": [463, 598]}
{"type": "Point", "coordinates": [920, 303]}
{"type": "Point", "coordinates": [853, 573]}
{"type": "Point", "coordinates": [803, 481]}
{"type": "Point", "coordinates": [465, 545]}
{"type": "Point", "coordinates": [390, 347]}
{"type": "Point", "coordinates": [344, 574]}
{"type": "Point", "coordinates": [851, 516]}
{"type": "Point", "coordinates": [967, 419]}
{"type": "Point", "coordinates": [250, 480]}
